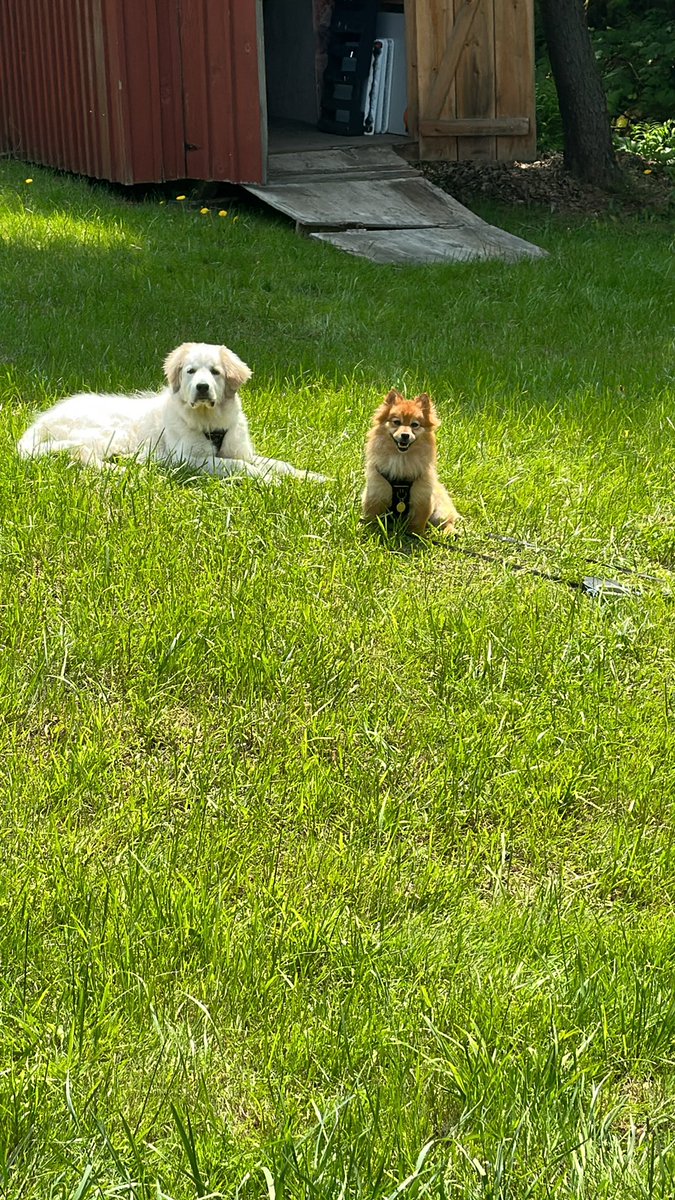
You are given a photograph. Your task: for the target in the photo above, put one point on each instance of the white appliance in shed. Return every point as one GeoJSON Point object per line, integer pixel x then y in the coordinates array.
{"type": "Point", "coordinates": [386, 89]}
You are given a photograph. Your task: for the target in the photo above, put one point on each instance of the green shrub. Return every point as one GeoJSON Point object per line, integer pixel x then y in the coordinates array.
{"type": "Point", "coordinates": [637, 62]}
{"type": "Point", "coordinates": [549, 121]}
{"type": "Point", "coordinates": [652, 140]}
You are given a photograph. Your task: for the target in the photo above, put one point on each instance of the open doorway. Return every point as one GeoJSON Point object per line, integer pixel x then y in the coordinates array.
{"type": "Point", "coordinates": [296, 37]}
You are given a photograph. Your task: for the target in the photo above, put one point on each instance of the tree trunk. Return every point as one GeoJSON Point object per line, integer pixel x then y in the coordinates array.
{"type": "Point", "coordinates": [588, 153]}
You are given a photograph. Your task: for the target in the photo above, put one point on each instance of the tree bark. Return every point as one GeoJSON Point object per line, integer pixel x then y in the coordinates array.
{"type": "Point", "coordinates": [588, 153]}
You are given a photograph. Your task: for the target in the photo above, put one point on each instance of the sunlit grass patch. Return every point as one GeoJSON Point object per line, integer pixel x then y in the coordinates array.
{"type": "Point", "coordinates": [336, 865]}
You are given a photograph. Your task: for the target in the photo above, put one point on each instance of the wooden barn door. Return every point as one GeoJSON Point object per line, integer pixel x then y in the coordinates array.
{"type": "Point", "coordinates": [471, 78]}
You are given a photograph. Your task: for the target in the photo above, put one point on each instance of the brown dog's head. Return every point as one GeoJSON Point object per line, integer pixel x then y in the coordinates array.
{"type": "Point", "coordinates": [407, 420]}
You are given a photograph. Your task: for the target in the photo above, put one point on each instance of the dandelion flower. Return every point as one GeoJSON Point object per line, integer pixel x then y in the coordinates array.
{"type": "Point", "coordinates": [28, 180]}
{"type": "Point", "coordinates": [180, 197]}
{"type": "Point", "coordinates": [648, 171]}
{"type": "Point", "coordinates": [223, 212]}
{"type": "Point", "coordinates": [203, 211]}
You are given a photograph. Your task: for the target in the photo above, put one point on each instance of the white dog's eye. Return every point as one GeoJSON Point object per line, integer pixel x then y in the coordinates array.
{"type": "Point", "coordinates": [215, 371]}
{"type": "Point", "coordinates": [191, 370]}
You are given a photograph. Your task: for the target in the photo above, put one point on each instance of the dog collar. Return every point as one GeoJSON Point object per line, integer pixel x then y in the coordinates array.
{"type": "Point", "coordinates": [216, 437]}
{"type": "Point", "coordinates": [400, 495]}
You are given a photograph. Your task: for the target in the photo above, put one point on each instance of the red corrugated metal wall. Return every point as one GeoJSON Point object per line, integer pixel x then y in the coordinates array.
{"type": "Point", "coordinates": [134, 91]}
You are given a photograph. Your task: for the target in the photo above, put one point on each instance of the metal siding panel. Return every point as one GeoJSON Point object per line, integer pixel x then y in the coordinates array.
{"type": "Point", "coordinates": [70, 105]}
{"type": "Point", "coordinates": [53, 77]}
{"type": "Point", "coordinates": [36, 129]}
{"type": "Point", "coordinates": [141, 101]}
{"type": "Point", "coordinates": [10, 48]}
{"type": "Point", "coordinates": [116, 98]}
{"type": "Point", "coordinates": [102, 125]}
{"type": "Point", "coordinates": [65, 133]}
{"type": "Point", "coordinates": [116, 88]}
{"type": "Point", "coordinates": [85, 91]}
{"type": "Point", "coordinates": [221, 90]}
{"type": "Point", "coordinates": [170, 92]}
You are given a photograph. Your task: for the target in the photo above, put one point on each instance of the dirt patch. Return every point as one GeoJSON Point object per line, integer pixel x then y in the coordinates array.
{"type": "Point", "coordinates": [546, 184]}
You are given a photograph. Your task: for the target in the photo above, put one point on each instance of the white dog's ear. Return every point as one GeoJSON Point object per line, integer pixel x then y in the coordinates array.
{"type": "Point", "coordinates": [173, 363]}
{"type": "Point", "coordinates": [235, 371]}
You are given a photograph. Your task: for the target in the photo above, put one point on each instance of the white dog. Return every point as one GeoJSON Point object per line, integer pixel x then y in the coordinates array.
{"type": "Point", "coordinates": [197, 420]}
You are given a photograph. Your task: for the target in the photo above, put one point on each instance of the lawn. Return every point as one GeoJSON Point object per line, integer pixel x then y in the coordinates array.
{"type": "Point", "coordinates": [336, 867]}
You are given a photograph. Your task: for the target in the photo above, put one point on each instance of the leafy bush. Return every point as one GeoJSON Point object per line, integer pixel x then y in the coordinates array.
{"type": "Point", "coordinates": [652, 140]}
{"type": "Point", "coordinates": [549, 121]}
{"type": "Point", "coordinates": [637, 62]}
{"type": "Point", "coordinates": [634, 42]}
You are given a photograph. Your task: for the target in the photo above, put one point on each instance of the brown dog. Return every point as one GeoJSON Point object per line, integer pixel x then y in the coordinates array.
{"type": "Point", "coordinates": [401, 478]}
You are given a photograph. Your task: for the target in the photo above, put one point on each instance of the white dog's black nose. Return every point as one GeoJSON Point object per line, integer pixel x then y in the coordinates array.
{"type": "Point", "coordinates": [202, 389]}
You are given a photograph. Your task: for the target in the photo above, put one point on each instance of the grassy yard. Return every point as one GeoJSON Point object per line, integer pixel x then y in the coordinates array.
{"type": "Point", "coordinates": [331, 867]}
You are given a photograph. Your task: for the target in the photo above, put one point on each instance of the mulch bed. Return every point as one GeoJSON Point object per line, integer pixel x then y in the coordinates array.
{"type": "Point", "coordinates": [546, 184]}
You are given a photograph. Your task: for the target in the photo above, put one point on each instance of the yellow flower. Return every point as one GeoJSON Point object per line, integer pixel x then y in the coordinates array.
{"type": "Point", "coordinates": [621, 122]}
{"type": "Point", "coordinates": [180, 197]}
{"type": "Point", "coordinates": [162, 201]}
{"type": "Point", "coordinates": [648, 171]}
{"type": "Point", "coordinates": [223, 212]}
{"type": "Point", "coordinates": [203, 211]}
{"type": "Point", "coordinates": [28, 180]}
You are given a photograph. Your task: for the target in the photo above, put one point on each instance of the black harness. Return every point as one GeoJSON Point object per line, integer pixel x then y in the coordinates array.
{"type": "Point", "coordinates": [216, 437]}
{"type": "Point", "coordinates": [400, 497]}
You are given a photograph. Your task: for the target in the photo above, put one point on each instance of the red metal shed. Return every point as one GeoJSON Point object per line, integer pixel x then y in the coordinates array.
{"type": "Point", "coordinates": [134, 91]}
{"type": "Point", "coordinates": [142, 91]}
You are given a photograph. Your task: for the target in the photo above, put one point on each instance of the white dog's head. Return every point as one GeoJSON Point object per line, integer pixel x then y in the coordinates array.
{"type": "Point", "coordinates": [201, 376]}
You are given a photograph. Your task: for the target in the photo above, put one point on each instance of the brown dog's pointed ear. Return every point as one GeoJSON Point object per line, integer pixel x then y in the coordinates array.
{"type": "Point", "coordinates": [428, 408]}
{"type": "Point", "coordinates": [235, 371]}
{"type": "Point", "coordinates": [390, 399]}
{"type": "Point", "coordinates": [173, 363]}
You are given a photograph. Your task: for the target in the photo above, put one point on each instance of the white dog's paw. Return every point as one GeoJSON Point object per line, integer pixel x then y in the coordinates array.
{"type": "Point", "coordinates": [275, 468]}
{"type": "Point", "coordinates": [312, 476]}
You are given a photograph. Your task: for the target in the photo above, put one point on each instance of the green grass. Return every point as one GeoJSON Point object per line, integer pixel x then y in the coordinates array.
{"type": "Point", "coordinates": [335, 867]}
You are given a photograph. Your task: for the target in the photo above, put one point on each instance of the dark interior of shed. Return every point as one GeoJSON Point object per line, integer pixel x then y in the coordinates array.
{"type": "Point", "coordinates": [296, 40]}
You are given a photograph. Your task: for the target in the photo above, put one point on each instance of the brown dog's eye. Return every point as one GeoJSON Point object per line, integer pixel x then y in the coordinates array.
{"type": "Point", "coordinates": [396, 422]}
{"type": "Point", "coordinates": [414, 424]}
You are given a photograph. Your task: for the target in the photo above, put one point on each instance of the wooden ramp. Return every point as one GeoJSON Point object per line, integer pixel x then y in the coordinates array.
{"type": "Point", "coordinates": [368, 201]}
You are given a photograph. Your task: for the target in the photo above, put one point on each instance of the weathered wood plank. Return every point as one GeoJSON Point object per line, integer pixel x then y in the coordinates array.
{"type": "Point", "coordinates": [412, 74]}
{"type": "Point", "coordinates": [514, 75]}
{"type": "Point", "coordinates": [409, 246]}
{"type": "Point", "coordinates": [336, 203]}
{"type": "Point", "coordinates": [476, 127]}
{"type": "Point", "coordinates": [474, 59]}
{"type": "Point", "coordinates": [475, 78]}
{"type": "Point", "coordinates": [389, 218]}
{"type": "Point", "coordinates": [364, 162]}
{"type": "Point", "coordinates": [455, 44]}
{"type": "Point", "coordinates": [434, 26]}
